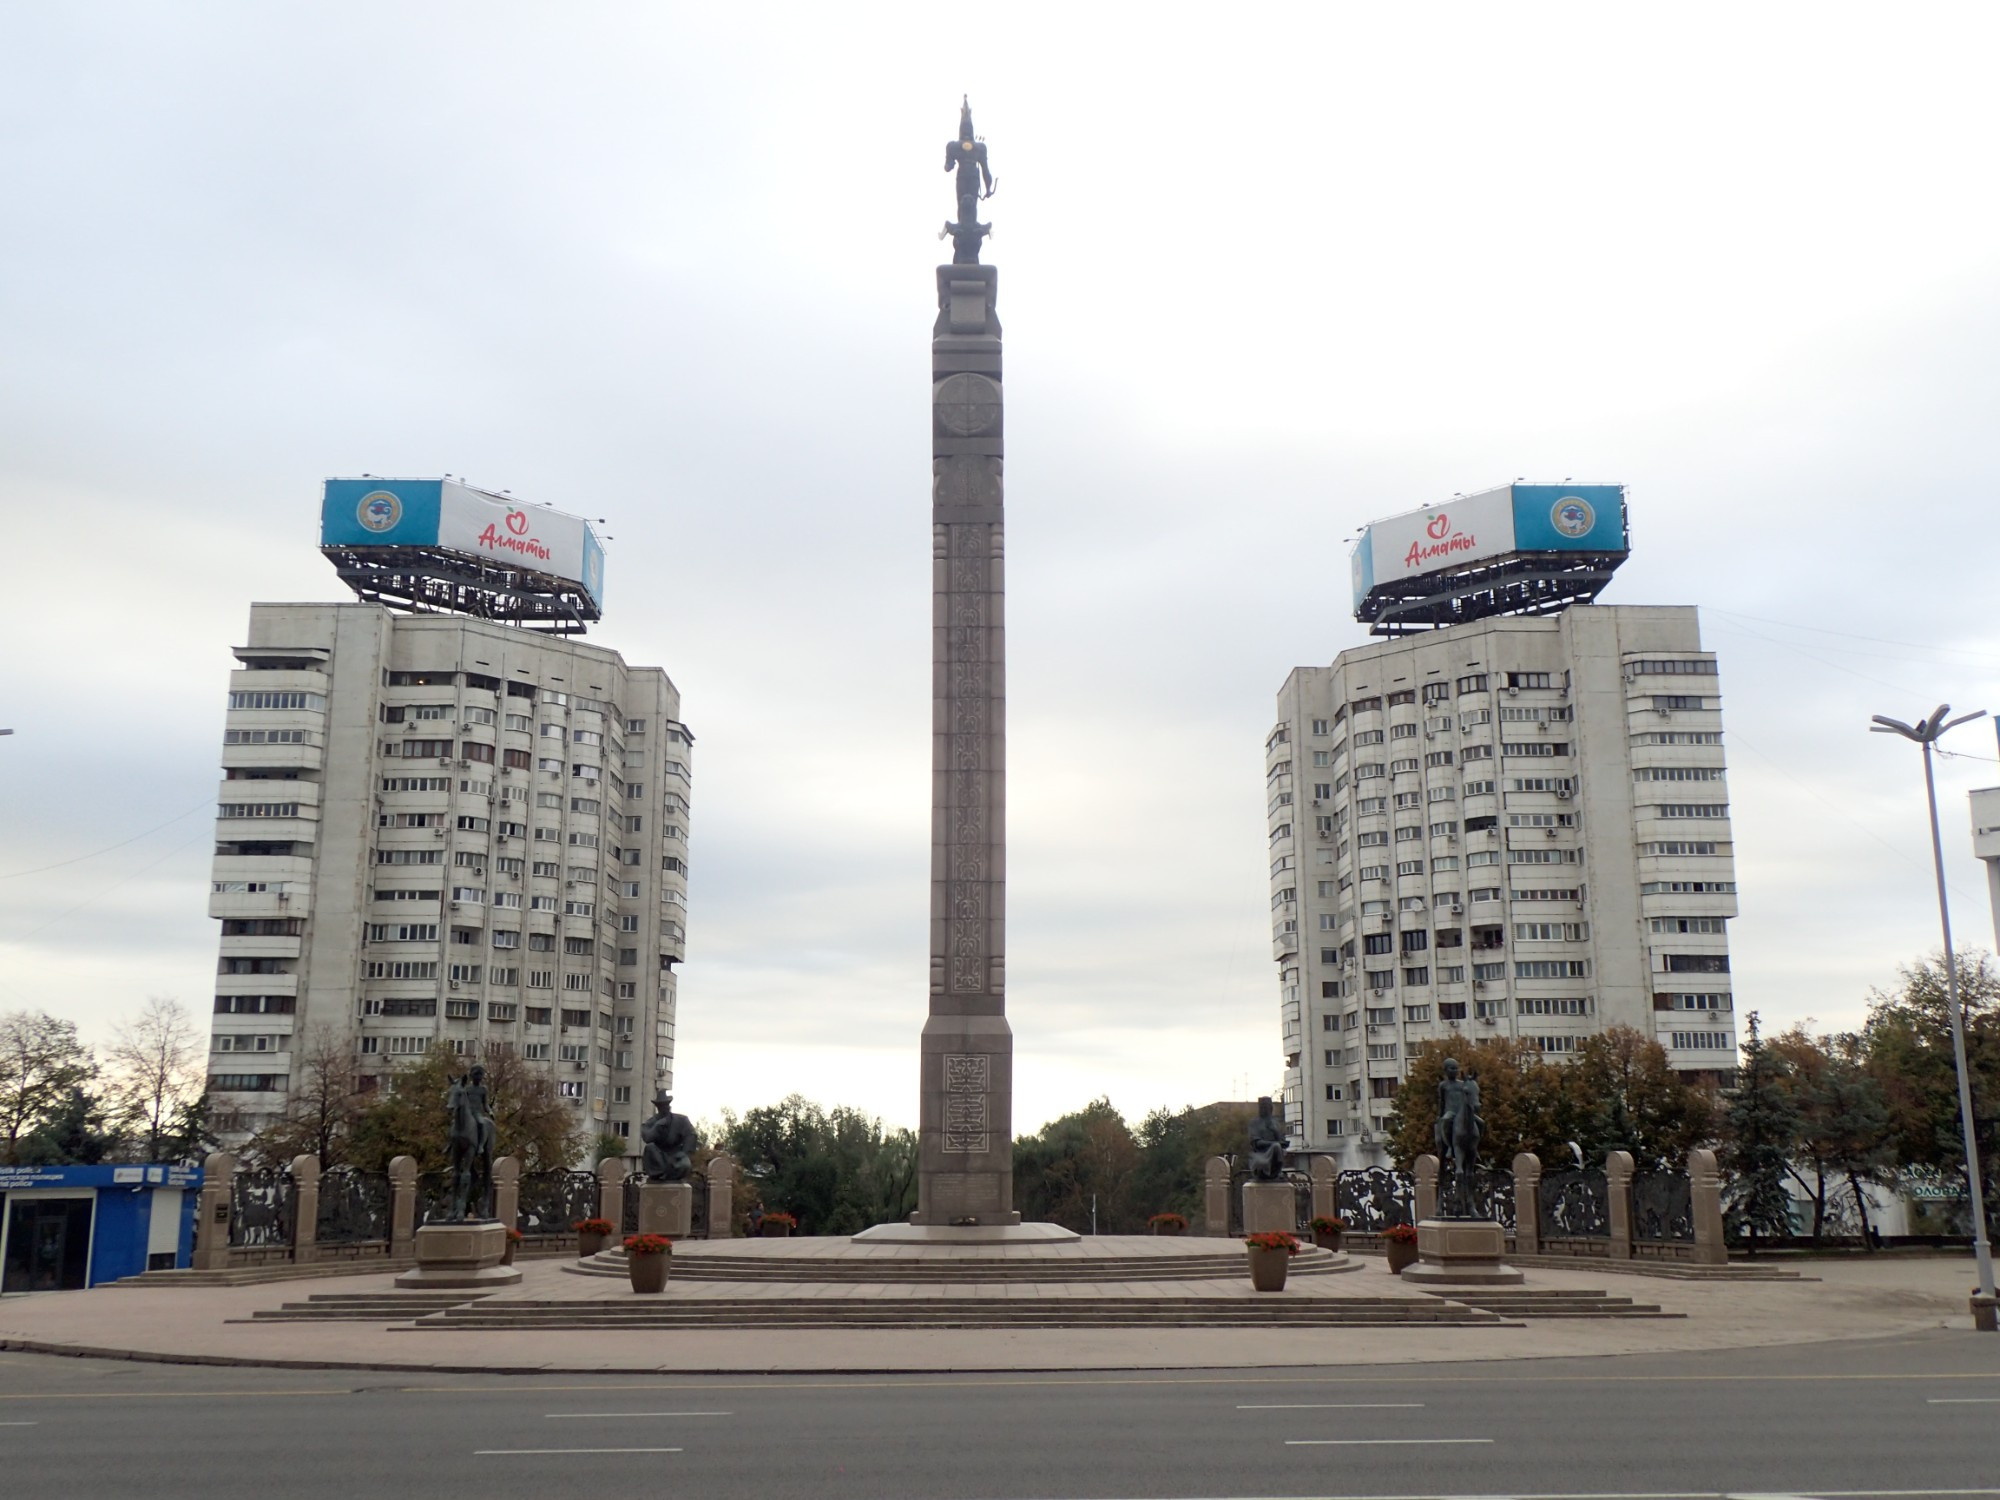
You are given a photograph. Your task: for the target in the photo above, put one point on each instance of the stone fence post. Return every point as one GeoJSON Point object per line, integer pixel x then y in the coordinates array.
{"type": "Point", "coordinates": [1215, 1198]}
{"type": "Point", "coordinates": [218, 1177]}
{"type": "Point", "coordinates": [1527, 1204]}
{"type": "Point", "coordinates": [507, 1190]}
{"type": "Point", "coordinates": [402, 1207]}
{"type": "Point", "coordinates": [611, 1192]}
{"type": "Point", "coordinates": [1325, 1199]}
{"type": "Point", "coordinates": [1426, 1196]}
{"type": "Point", "coordinates": [721, 1196]}
{"type": "Point", "coordinates": [1705, 1190]}
{"type": "Point", "coordinates": [1618, 1182]}
{"type": "Point", "coordinates": [305, 1208]}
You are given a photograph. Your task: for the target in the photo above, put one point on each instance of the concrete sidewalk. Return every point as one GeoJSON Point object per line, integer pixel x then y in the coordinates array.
{"type": "Point", "coordinates": [1853, 1299]}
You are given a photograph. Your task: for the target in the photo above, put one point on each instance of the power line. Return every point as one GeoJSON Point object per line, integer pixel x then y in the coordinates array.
{"type": "Point", "coordinates": [1849, 635]}
{"type": "Point", "coordinates": [79, 859]}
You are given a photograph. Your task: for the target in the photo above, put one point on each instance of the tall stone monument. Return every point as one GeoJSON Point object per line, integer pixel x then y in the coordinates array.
{"type": "Point", "coordinates": [965, 1176]}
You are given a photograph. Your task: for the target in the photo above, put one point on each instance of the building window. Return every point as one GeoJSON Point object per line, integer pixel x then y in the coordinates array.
{"type": "Point", "coordinates": [1541, 1007]}
{"type": "Point", "coordinates": [1695, 963]}
{"type": "Point", "coordinates": [1701, 1041]}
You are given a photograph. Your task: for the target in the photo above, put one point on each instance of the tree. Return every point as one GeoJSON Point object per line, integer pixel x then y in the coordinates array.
{"type": "Point", "coordinates": [1174, 1148]}
{"type": "Point", "coordinates": [43, 1066]}
{"type": "Point", "coordinates": [82, 1130]}
{"type": "Point", "coordinates": [1843, 1123]}
{"type": "Point", "coordinates": [838, 1171]}
{"type": "Point", "coordinates": [1624, 1096]}
{"type": "Point", "coordinates": [1077, 1161]}
{"type": "Point", "coordinates": [321, 1109]}
{"type": "Point", "coordinates": [531, 1120]}
{"type": "Point", "coordinates": [1521, 1098]}
{"type": "Point", "coordinates": [1908, 1050]}
{"type": "Point", "coordinates": [1761, 1139]}
{"type": "Point", "coordinates": [157, 1062]}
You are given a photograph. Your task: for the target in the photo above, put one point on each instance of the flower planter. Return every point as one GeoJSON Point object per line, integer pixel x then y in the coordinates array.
{"type": "Point", "coordinates": [1327, 1239]}
{"type": "Point", "coordinates": [588, 1244]}
{"type": "Point", "coordinates": [648, 1272]}
{"type": "Point", "coordinates": [772, 1231]}
{"type": "Point", "coordinates": [1169, 1229]}
{"type": "Point", "coordinates": [507, 1255]}
{"type": "Point", "coordinates": [1401, 1253]}
{"type": "Point", "coordinates": [1267, 1268]}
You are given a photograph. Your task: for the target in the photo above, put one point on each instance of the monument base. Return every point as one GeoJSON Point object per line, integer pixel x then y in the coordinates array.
{"type": "Point", "coordinates": [666, 1208]}
{"type": "Point", "coordinates": [1270, 1207]}
{"type": "Point", "coordinates": [459, 1256]}
{"type": "Point", "coordinates": [967, 1234]}
{"type": "Point", "coordinates": [1461, 1252]}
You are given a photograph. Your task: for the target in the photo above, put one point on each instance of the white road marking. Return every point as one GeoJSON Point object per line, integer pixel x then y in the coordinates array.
{"type": "Point", "coordinates": [20, 1424]}
{"type": "Point", "coordinates": [1964, 1401]}
{"type": "Point", "coordinates": [1333, 1407]}
{"type": "Point", "coordinates": [514, 1452]}
{"type": "Point", "coordinates": [556, 1415]}
{"type": "Point", "coordinates": [1374, 1442]}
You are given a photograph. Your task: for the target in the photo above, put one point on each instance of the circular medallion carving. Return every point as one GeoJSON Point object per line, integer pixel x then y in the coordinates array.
{"type": "Point", "coordinates": [968, 405]}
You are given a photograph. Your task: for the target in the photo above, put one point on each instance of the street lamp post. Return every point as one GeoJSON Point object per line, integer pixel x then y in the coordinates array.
{"type": "Point", "coordinates": [1926, 733]}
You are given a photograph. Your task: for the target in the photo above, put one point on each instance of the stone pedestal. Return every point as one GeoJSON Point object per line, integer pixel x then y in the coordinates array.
{"type": "Point", "coordinates": [1461, 1252]}
{"type": "Point", "coordinates": [453, 1256]}
{"type": "Point", "coordinates": [666, 1208]}
{"type": "Point", "coordinates": [1270, 1207]}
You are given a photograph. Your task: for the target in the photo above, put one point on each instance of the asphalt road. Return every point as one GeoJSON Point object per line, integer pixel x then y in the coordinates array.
{"type": "Point", "coordinates": [1910, 1417]}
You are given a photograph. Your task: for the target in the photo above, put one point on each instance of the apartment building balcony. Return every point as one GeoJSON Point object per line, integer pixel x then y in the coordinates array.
{"type": "Point", "coordinates": [273, 757]}
{"type": "Point", "coordinates": [256, 984]}
{"type": "Point", "coordinates": [294, 900]}
{"type": "Point", "coordinates": [260, 946]}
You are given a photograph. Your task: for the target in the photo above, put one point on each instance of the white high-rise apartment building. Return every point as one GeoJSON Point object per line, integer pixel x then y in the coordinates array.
{"type": "Point", "coordinates": [1517, 826]}
{"type": "Point", "coordinates": [433, 826]}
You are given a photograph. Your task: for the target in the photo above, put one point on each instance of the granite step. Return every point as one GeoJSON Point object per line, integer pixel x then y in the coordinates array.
{"type": "Point", "coordinates": [835, 1270]}
{"type": "Point", "coordinates": [956, 1312]}
{"type": "Point", "coordinates": [361, 1307]}
{"type": "Point", "coordinates": [1552, 1302]}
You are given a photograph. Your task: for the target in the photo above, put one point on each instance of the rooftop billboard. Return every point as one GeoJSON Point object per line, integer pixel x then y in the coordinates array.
{"type": "Point", "coordinates": [448, 516]}
{"type": "Point", "coordinates": [1483, 528]}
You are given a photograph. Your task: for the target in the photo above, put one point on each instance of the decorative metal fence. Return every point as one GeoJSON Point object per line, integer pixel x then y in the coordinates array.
{"type": "Point", "coordinates": [353, 1206]}
{"type": "Point", "coordinates": [628, 1220]}
{"type": "Point", "coordinates": [552, 1201]}
{"type": "Point", "coordinates": [1575, 1205]}
{"type": "Point", "coordinates": [1663, 1207]}
{"type": "Point", "coordinates": [698, 1213]}
{"type": "Point", "coordinates": [434, 1193]}
{"type": "Point", "coordinates": [1492, 1195]}
{"type": "Point", "coordinates": [1371, 1199]}
{"type": "Point", "coordinates": [261, 1205]}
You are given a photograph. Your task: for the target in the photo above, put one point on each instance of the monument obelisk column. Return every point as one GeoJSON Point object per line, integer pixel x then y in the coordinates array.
{"type": "Point", "coordinates": [966, 1138]}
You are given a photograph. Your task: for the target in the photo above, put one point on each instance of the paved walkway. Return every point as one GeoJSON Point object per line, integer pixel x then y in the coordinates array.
{"type": "Point", "coordinates": [1852, 1299]}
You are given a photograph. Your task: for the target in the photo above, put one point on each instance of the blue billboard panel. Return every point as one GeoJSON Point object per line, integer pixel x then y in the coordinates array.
{"type": "Point", "coordinates": [381, 512]}
{"type": "Point", "coordinates": [1569, 518]}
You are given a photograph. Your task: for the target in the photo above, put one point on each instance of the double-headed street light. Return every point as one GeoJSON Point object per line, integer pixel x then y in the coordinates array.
{"type": "Point", "coordinates": [1926, 733]}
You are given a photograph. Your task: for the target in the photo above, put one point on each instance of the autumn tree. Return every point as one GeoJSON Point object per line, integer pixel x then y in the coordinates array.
{"type": "Point", "coordinates": [321, 1107]}
{"type": "Point", "coordinates": [156, 1062]}
{"type": "Point", "coordinates": [1174, 1149]}
{"type": "Point", "coordinates": [1908, 1047]}
{"type": "Point", "coordinates": [1077, 1159]}
{"type": "Point", "coordinates": [1623, 1095]}
{"type": "Point", "coordinates": [531, 1120]}
{"type": "Point", "coordinates": [44, 1069]}
{"type": "Point", "coordinates": [1521, 1098]}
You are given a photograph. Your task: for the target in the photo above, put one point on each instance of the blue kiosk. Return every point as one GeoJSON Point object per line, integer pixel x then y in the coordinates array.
{"type": "Point", "coordinates": [65, 1228]}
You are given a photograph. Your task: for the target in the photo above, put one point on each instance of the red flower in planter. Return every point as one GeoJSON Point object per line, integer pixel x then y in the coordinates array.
{"type": "Point", "coordinates": [594, 1226]}
{"type": "Point", "coordinates": [648, 1244]}
{"type": "Point", "coordinates": [1169, 1221]}
{"type": "Point", "coordinates": [781, 1218]}
{"type": "Point", "coordinates": [1400, 1234]}
{"type": "Point", "coordinates": [1321, 1224]}
{"type": "Point", "coordinates": [1275, 1239]}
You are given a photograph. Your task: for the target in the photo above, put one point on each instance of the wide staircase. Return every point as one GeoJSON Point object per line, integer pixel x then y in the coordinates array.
{"type": "Point", "coordinates": [1551, 1302]}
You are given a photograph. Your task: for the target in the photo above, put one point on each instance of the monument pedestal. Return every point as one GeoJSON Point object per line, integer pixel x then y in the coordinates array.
{"type": "Point", "coordinates": [457, 1256]}
{"type": "Point", "coordinates": [666, 1208]}
{"type": "Point", "coordinates": [1270, 1207]}
{"type": "Point", "coordinates": [1461, 1252]}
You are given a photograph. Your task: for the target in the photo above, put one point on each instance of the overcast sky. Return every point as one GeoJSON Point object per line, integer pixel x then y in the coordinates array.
{"type": "Point", "coordinates": [1266, 273]}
